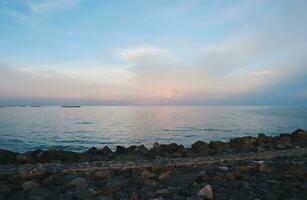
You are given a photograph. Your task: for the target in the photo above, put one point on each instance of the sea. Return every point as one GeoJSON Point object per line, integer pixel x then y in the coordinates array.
{"type": "Point", "coordinates": [79, 128]}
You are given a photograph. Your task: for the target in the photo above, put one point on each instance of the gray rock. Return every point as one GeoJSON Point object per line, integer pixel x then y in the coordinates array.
{"type": "Point", "coordinates": [43, 194]}
{"type": "Point", "coordinates": [77, 182]}
{"type": "Point", "coordinates": [4, 189]}
{"type": "Point", "coordinates": [40, 170]}
{"type": "Point", "coordinates": [30, 185]}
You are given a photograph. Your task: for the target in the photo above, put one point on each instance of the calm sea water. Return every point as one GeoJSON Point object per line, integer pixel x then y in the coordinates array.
{"type": "Point", "coordinates": [27, 128]}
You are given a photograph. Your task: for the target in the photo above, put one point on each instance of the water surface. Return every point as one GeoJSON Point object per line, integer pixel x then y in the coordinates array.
{"type": "Point", "coordinates": [27, 128]}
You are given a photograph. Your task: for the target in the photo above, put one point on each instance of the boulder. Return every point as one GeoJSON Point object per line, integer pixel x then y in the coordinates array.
{"type": "Point", "coordinates": [92, 151]}
{"type": "Point", "coordinates": [7, 156]}
{"type": "Point", "coordinates": [105, 150]}
{"type": "Point", "coordinates": [200, 147]}
{"type": "Point", "coordinates": [77, 182]}
{"type": "Point", "coordinates": [243, 144]}
{"type": "Point", "coordinates": [28, 157]}
{"type": "Point", "coordinates": [219, 146]}
{"type": "Point", "coordinates": [155, 145]}
{"type": "Point", "coordinates": [30, 185]}
{"type": "Point", "coordinates": [46, 156]}
{"type": "Point", "coordinates": [172, 148]}
{"type": "Point", "coordinates": [142, 149]}
{"type": "Point", "coordinates": [120, 149]}
{"type": "Point", "coordinates": [39, 170]}
{"type": "Point", "coordinates": [43, 194]}
{"type": "Point", "coordinates": [299, 137]}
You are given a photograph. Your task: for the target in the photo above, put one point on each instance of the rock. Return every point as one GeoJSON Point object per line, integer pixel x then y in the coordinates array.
{"type": "Point", "coordinates": [243, 144]}
{"type": "Point", "coordinates": [77, 182]}
{"type": "Point", "coordinates": [164, 193]}
{"type": "Point", "coordinates": [299, 137]}
{"type": "Point", "coordinates": [52, 181]}
{"type": "Point", "coordinates": [218, 146]}
{"type": "Point", "coordinates": [206, 192]}
{"type": "Point", "coordinates": [4, 189]}
{"type": "Point", "coordinates": [264, 168]}
{"type": "Point", "coordinates": [86, 192]}
{"type": "Point", "coordinates": [24, 158]}
{"type": "Point", "coordinates": [181, 179]}
{"type": "Point", "coordinates": [146, 175]}
{"type": "Point", "coordinates": [164, 176]}
{"type": "Point", "coordinates": [142, 149]}
{"type": "Point", "coordinates": [46, 156]}
{"type": "Point", "coordinates": [43, 194]}
{"type": "Point", "coordinates": [172, 148]}
{"type": "Point", "coordinates": [135, 196]}
{"type": "Point", "coordinates": [40, 170]}
{"type": "Point", "coordinates": [30, 185]}
{"type": "Point", "coordinates": [105, 151]}
{"type": "Point", "coordinates": [155, 145]}
{"type": "Point", "coordinates": [92, 151]}
{"type": "Point", "coordinates": [223, 168]}
{"type": "Point", "coordinates": [7, 156]}
{"type": "Point", "coordinates": [102, 174]}
{"type": "Point", "coordinates": [200, 147]}
{"type": "Point", "coordinates": [280, 147]}
{"type": "Point", "coordinates": [262, 138]}
{"type": "Point", "coordinates": [120, 149]}
{"type": "Point", "coordinates": [297, 169]}
{"type": "Point", "coordinates": [116, 182]}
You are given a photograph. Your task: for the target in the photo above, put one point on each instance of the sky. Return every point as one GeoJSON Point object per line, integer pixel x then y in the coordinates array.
{"type": "Point", "coordinates": [153, 52]}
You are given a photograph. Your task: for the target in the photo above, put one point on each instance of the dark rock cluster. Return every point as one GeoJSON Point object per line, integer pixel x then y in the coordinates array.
{"type": "Point", "coordinates": [280, 177]}
{"type": "Point", "coordinates": [200, 148]}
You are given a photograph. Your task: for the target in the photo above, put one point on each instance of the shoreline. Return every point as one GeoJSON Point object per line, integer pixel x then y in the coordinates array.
{"type": "Point", "coordinates": [260, 167]}
{"type": "Point", "coordinates": [199, 148]}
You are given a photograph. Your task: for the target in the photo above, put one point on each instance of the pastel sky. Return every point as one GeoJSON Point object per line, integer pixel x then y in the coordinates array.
{"type": "Point", "coordinates": [153, 52]}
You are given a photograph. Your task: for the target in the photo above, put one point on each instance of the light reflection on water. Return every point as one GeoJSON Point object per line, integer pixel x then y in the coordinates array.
{"type": "Point", "coordinates": [26, 128]}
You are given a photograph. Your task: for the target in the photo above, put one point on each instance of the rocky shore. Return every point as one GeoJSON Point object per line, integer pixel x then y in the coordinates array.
{"type": "Point", "coordinates": [262, 167]}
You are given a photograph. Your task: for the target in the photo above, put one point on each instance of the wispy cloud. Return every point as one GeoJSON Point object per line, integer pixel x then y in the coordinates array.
{"type": "Point", "coordinates": [41, 6]}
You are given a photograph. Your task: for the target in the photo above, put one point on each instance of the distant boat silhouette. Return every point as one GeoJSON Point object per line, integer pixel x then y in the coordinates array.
{"type": "Point", "coordinates": [71, 106]}
{"type": "Point", "coordinates": [36, 106]}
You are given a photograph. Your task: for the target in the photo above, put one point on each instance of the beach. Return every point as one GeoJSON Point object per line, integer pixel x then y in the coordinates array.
{"type": "Point", "coordinates": [263, 167]}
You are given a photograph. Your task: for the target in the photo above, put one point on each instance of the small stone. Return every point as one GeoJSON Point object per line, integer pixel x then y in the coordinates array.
{"type": "Point", "coordinates": [146, 175]}
{"type": "Point", "coordinates": [77, 182]}
{"type": "Point", "coordinates": [30, 185]}
{"type": "Point", "coordinates": [206, 192]}
{"type": "Point", "coordinates": [103, 174]}
{"type": "Point", "coordinates": [280, 147]}
{"type": "Point", "coordinates": [223, 168]}
{"type": "Point", "coordinates": [263, 168]}
{"type": "Point", "coordinates": [164, 176]}
{"type": "Point", "coordinates": [162, 192]}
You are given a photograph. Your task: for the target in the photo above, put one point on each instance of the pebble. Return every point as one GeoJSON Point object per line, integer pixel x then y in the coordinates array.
{"type": "Point", "coordinates": [206, 192]}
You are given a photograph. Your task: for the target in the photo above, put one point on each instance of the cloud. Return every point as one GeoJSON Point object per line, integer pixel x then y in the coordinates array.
{"type": "Point", "coordinates": [41, 6]}
{"type": "Point", "coordinates": [139, 54]}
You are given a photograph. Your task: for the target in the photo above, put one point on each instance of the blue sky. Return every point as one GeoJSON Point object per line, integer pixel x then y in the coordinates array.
{"type": "Point", "coordinates": [153, 52]}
